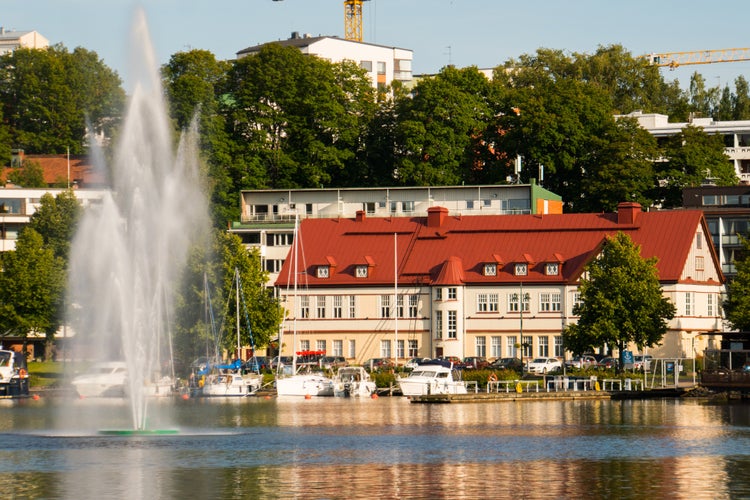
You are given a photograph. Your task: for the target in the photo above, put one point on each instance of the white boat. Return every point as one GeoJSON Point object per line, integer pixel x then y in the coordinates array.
{"type": "Point", "coordinates": [353, 381]}
{"type": "Point", "coordinates": [231, 384]}
{"type": "Point", "coordinates": [105, 379]}
{"type": "Point", "coordinates": [304, 384]}
{"type": "Point", "coordinates": [432, 379]}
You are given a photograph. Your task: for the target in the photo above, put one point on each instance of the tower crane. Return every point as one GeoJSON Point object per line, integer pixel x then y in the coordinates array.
{"type": "Point", "coordinates": [673, 60]}
{"type": "Point", "coordinates": [352, 19]}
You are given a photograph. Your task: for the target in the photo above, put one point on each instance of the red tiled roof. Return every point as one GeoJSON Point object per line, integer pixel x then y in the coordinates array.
{"type": "Point", "coordinates": [456, 251]}
{"type": "Point", "coordinates": [82, 172]}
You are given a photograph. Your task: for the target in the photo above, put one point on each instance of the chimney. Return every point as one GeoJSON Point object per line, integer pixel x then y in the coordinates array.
{"type": "Point", "coordinates": [360, 216]}
{"type": "Point", "coordinates": [627, 212]}
{"type": "Point", "coordinates": [436, 216]}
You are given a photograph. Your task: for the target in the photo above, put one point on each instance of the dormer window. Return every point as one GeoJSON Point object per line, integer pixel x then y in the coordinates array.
{"type": "Point", "coordinates": [361, 271]}
{"type": "Point", "coordinates": [552, 269]}
{"type": "Point", "coordinates": [323, 271]}
{"type": "Point", "coordinates": [490, 269]}
{"type": "Point", "coordinates": [521, 269]}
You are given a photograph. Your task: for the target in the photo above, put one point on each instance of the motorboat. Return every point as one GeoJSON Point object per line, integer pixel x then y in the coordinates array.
{"type": "Point", "coordinates": [353, 381]}
{"type": "Point", "coordinates": [304, 384]}
{"type": "Point", "coordinates": [432, 379]}
{"type": "Point", "coordinates": [231, 384]}
{"type": "Point", "coordinates": [104, 379]}
{"type": "Point", "coordinates": [14, 376]}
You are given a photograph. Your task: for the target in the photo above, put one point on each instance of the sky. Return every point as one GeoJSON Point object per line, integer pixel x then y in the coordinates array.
{"type": "Point", "coordinates": [483, 33]}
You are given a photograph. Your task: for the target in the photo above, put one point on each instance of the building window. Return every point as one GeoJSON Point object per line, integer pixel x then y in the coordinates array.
{"type": "Point", "coordinates": [323, 271]}
{"type": "Point", "coordinates": [710, 310]}
{"type": "Point", "coordinates": [304, 345]}
{"type": "Point", "coordinates": [366, 65]}
{"type": "Point", "coordinates": [482, 303]}
{"type": "Point", "coordinates": [361, 272]}
{"type": "Point", "coordinates": [352, 348]}
{"type": "Point", "coordinates": [304, 306]}
{"type": "Point", "coordinates": [689, 304]}
{"type": "Point", "coordinates": [577, 300]}
{"type": "Point", "coordinates": [280, 240]}
{"type": "Point", "coordinates": [512, 350]}
{"type": "Point", "coordinates": [321, 308]}
{"type": "Point", "coordinates": [413, 348]}
{"type": "Point", "coordinates": [496, 347]}
{"type": "Point", "coordinates": [438, 324]}
{"type": "Point", "coordinates": [552, 269]}
{"type": "Point", "coordinates": [400, 348]}
{"type": "Point", "coordinates": [407, 206]}
{"type": "Point", "coordinates": [438, 294]}
{"type": "Point", "coordinates": [385, 348]}
{"type": "Point", "coordinates": [385, 306]}
{"type": "Point", "coordinates": [481, 346]}
{"type": "Point", "coordinates": [452, 293]}
{"type": "Point", "coordinates": [543, 343]}
{"type": "Point", "coordinates": [338, 348]}
{"type": "Point", "coordinates": [699, 241]}
{"type": "Point", "coordinates": [413, 305]}
{"type": "Point", "coordinates": [338, 310]}
{"type": "Point", "coordinates": [274, 265]}
{"type": "Point", "coordinates": [399, 306]}
{"type": "Point", "coordinates": [490, 269]}
{"type": "Point", "coordinates": [521, 269]}
{"type": "Point", "coordinates": [469, 204]}
{"type": "Point", "coordinates": [549, 302]}
{"type": "Point", "coordinates": [320, 345]}
{"type": "Point", "coordinates": [558, 346]}
{"type": "Point", "coordinates": [452, 324]}
{"type": "Point", "coordinates": [513, 302]}
{"type": "Point", "coordinates": [352, 307]}
{"type": "Point", "coordinates": [527, 345]}
{"type": "Point", "coordinates": [381, 67]}
{"type": "Point", "coordinates": [394, 207]}
{"type": "Point", "coordinates": [700, 263]}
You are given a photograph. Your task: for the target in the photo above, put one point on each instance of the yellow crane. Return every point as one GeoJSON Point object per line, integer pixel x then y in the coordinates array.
{"type": "Point", "coordinates": [675, 59]}
{"type": "Point", "coordinates": [352, 19]}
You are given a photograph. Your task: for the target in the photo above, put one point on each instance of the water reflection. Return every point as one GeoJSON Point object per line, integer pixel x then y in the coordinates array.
{"type": "Point", "coordinates": [386, 448]}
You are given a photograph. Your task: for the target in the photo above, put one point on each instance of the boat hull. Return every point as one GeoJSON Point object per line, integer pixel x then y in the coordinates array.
{"type": "Point", "coordinates": [304, 385]}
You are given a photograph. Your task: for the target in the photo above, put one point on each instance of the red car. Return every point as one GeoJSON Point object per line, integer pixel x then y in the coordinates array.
{"type": "Point", "coordinates": [476, 363]}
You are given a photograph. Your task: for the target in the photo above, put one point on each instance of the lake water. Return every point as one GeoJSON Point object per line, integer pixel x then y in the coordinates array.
{"type": "Point", "coordinates": [377, 448]}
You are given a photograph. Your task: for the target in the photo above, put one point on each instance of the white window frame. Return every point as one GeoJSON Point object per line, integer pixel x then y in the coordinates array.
{"type": "Point", "coordinates": [552, 269]}
{"type": "Point", "coordinates": [361, 271]}
{"type": "Point", "coordinates": [338, 348]}
{"type": "Point", "coordinates": [521, 269]}
{"type": "Point", "coordinates": [338, 308]}
{"type": "Point", "coordinates": [438, 324]}
{"type": "Point", "coordinates": [323, 271]}
{"type": "Point", "coordinates": [490, 269]}
{"type": "Point", "coordinates": [481, 346]}
{"type": "Point", "coordinates": [320, 307]}
{"type": "Point", "coordinates": [385, 306]}
{"type": "Point", "coordinates": [452, 324]}
{"type": "Point", "coordinates": [385, 348]}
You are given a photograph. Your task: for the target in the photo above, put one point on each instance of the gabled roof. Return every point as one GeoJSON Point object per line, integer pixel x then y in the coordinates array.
{"type": "Point", "coordinates": [454, 249]}
{"type": "Point", "coordinates": [58, 169]}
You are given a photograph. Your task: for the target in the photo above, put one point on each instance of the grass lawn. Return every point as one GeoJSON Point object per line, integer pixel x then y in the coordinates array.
{"type": "Point", "coordinates": [48, 373]}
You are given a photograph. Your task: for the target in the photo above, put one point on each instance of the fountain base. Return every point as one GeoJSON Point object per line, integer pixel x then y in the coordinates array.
{"type": "Point", "coordinates": [138, 432]}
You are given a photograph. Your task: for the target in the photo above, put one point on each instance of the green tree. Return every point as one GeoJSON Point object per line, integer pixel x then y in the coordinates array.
{"type": "Point", "coordinates": [737, 304]}
{"type": "Point", "coordinates": [621, 301]}
{"type": "Point", "coordinates": [30, 175]}
{"type": "Point", "coordinates": [31, 288]}
{"type": "Point", "coordinates": [693, 156]}
{"type": "Point", "coordinates": [52, 97]}
{"type": "Point", "coordinates": [210, 274]}
{"type": "Point", "coordinates": [56, 220]}
{"type": "Point", "coordinates": [740, 100]}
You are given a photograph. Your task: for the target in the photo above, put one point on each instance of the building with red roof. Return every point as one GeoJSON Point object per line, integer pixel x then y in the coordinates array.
{"type": "Point", "coordinates": [451, 284]}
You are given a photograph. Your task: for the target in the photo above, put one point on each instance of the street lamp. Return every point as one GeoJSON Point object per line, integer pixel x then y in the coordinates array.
{"type": "Point", "coordinates": [521, 298]}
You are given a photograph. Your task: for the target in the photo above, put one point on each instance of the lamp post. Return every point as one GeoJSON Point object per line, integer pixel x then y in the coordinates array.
{"type": "Point", "coordinates": [521, 298]}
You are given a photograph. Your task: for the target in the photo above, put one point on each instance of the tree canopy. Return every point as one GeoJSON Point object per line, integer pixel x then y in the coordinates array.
{"type": "Point", "coordinates": [621, 301]}
{"type": "Point", "coordinates": [737, 303]}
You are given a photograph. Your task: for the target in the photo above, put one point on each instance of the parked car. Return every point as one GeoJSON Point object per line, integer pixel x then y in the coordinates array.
{"type": "Point", "coordinates": [506, 364]}
{"type": "Point", "coordinates": [475, 363]}
{"type": "Point", "coordinates": [580, 362]}
{"type": "Point", "coordinates": [332, 362]}
{"type": "Point", "coordinates": [414, 362]}
{"type": "Point", "coordinates": [455, 360]}
{"type": "Point", "coordinates": [642, 362]}
{"type": "Point", "coordinates": [544, 365]}
{"type": "Point", "coordinates": [607, 363]}
{"type": "Point", "coordinates": [378, 364]}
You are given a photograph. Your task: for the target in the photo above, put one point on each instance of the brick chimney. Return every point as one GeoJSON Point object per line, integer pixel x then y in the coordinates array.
{"type": "Point", "coordinates": [360, 216]}
{"type": "Point", "coordinates": [627, 212]}
{"type": "Point", "coordinates": [436, 216]}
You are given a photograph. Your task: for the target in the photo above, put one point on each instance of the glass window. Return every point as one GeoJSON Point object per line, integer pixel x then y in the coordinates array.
{"type": "Point", "coordinates": [361, 272]}
{"type": "Point", "coordinates": [381, 67]}
{"type": "Point", "coordinates": [496, 347]}
{"type": "Point", "coordinates": [352, 307]}
{"type": "Point", "coordinates": [399, 306]}
{"type": "Point", "coordinates": [320, 345]}
{"type": "Point", "coordinates": [304, 306]}
{"type": "Point", "coordinates": [688, 304]}
{"type": "Point", "coordinates": [558, 346]}
{"type": "Point", "coordinates": [482, 302]}
{"type": "Point", "coordinates": [512, 350]}
{"type": "Point", "coordinates": [338, 311]}
{"type": "Point", "coordinates": [521, 269]}
{"type": "Point", "coordinates": [385, 306]}
{"type": "Point", "coordinates": [413, 348]}
{"type": "Point", "coordinates": [452, 324]}
{"type": "Point", "coordinates": [438, 294]}
{"type": "Point", "coordinates": [452, 293]}
{"type": "Point", "coordinates": [304, 345]}
{"type": "Point", "coordinates": [543, 343]}
{"type": "Point", "coordinates": [552, 269]}
{"type": "Point", "coordinates": [490, 269]}
{"type": "Point", "coordinates": [400, 348]}
{"type": "Point", "coordinates": [366, 65]}
{"type": "Point", "coordinates": [338, 347]}
{"type": "Point", "coordinates": [413, 305]}
{"type": "Point", "coordinates": [481, 346]}
{"type": "Point", "coordinates": [321, 309]}
{"type": "Point", "coordinates": [322, 271]}
{"type": "Point", "coordinates": [470, 204]}
{"type": "Point", "coordinates": [352, 348]}
{"type": "Point", "coordinates": [385, 348]}
{"type": "Point", "coordinates": [407, 206]}
{"type": "Point", "coordinates": [527, 345]}
{"type": "Point", "coordinates": [438, 324]}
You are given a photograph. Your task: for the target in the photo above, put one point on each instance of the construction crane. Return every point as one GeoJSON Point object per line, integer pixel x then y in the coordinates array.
{"type": "Point", "coordinates": [352, 19]}
{"type": "Point", "coordinates": [674, 60]}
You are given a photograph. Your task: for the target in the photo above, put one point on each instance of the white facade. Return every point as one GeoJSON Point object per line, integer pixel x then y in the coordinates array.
{"type": "Point", "coordinates": [736, 134]}
{"type": "Point", "coordinates": [11, 40]}
{"type": "Point", "coordinates": [383, 64]}
{"type": "Point", "coordinates": [17, 205]}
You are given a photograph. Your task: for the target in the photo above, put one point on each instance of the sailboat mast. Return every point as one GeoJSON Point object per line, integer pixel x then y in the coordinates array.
{"type": "Point", "coordinates": [395, 296]}
{"type": "Point", "coordinates": [237, 307]}
{"type": "Point", "coordinates": [295, 242]}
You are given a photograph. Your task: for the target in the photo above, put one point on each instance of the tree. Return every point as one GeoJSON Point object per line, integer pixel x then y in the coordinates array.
{"type": "Point", "coordinates": [56, 220]}
{"type": "Point", "coordinates": [621, 301]}
{"type": "Point", "coordinates": [737, 304]}
{"type": "Point", "coordinates": [210, 274]}
{"type": "Point", "coordinates": [30, 175]}
{"type": "Point", "coordinates": [31, 288]}
{"type": "Point", "coordinates": [693, 156]}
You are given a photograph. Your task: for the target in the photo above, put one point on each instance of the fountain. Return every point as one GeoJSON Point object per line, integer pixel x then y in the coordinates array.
{"type": "Point", "coordinates": [128, 253]}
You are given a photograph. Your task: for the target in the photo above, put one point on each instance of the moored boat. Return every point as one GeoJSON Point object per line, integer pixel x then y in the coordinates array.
{"type": "Point", "coordinates": [353, 381]}
{"type": "Point", "coordinates": [432, 379]}
{"type": "Point", "coordinates": [14, 377]}
{"type": "Point", "coordinates": [104, 379]}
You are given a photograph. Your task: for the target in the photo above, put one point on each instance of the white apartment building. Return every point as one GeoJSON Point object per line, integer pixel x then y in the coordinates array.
{"type": "Point", "coordinates": [736, 135]}
{"type": "Point", "coordinates": [383, 64]}
{"type": "Point", "coordinates": [11, 40]}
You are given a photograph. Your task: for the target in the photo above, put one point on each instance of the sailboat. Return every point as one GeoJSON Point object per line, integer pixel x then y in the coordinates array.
{"type": "Point", "coordinates": [227, 380]}
{"type": "Point", "coordinates": [294, 383]}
